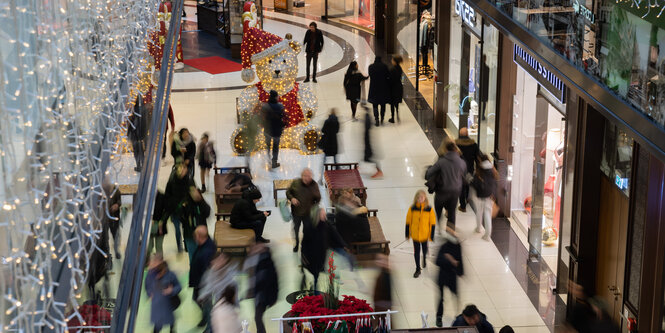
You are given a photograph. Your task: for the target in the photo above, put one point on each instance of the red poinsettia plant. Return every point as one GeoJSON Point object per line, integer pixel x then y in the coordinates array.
{"type": "Point", "coordinates": [314, 306]}
{"type": "Point", "coordinates": [93, 315]}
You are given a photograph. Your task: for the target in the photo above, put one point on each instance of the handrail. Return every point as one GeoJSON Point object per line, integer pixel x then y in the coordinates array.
{"type": "Point", "coordinates": [282, 319]}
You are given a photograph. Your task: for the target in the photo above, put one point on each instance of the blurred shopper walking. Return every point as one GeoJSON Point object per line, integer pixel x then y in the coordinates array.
{"type": "Point", "coordinates": [369, 155]}
{"type": "Point", "coordinates": [162, 287]}
{"type": "Point", "coordinates": [396, 88]}
{"type": "Point", "coordinates": [201, 259]}
{"type": "Point", "coordinates": [420, 224]}
{"type": "Point", "coordinates": [207, 158]}
{"type": "Point", "coordinates": [329, 136]}
{"type": "Point", "coordinates": [379, 88]}
{"type": "Point", "coordinates": [450, 170]}
{"type": "Point", "coordinates": [263, 281]}
{"type": "Point", "coordinates": [303, 195]}
{"type": "Point", "coordinates": [177, 189]}
{"type": "Point", "coordinates": [451, 266]}
{"type": "Point", "coordinates": [352, 87]}
{"type": "Point", "coordinates": [470, 152]}
{"type": "Point", "coordinates": [183, 150]}
{"type": "Point", "coordinates": [273, 126]}
{"type": "Point", "coordinates": [224, 317]}
{"type": "Point", "coordinates": [484, 184]}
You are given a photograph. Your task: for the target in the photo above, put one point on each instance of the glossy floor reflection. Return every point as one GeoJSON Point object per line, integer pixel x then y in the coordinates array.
{"type": "Point", "coordinates": [405, 152]}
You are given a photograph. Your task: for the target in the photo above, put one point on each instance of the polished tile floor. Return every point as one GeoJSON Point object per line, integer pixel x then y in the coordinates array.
{"type": "Point", "coordinates": [405, 152]}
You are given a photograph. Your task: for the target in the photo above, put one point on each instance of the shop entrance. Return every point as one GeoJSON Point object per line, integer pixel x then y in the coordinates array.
{"type": "Point", "coordinates": [611, 253]}
{"type": "Point", "coordinates": [539, 153]}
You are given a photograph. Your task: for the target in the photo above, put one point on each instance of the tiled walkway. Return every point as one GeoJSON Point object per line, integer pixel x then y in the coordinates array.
{"type": "Point", "coordinates": [405, 150]}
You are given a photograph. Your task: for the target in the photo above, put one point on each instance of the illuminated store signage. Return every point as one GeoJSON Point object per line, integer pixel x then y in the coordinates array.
{"type": "Point", "coordinates": [465, 11]}
{"type": "Point", "coordinates": [585, 12]}
{"type": "Point", "coordinates": [542, 74]}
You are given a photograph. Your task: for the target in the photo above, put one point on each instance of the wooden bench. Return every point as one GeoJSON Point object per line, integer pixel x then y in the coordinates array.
{"type": "Point", "coordinates": [280, 185]}
{"type": "Point", "coordinates": [230, 240]}
{"type": "Point", "coordinates": [377, 243]}
{"type": "Point", "coordinates": [224, 196]}
{"type": "Point", "coordinates": [339, 176]}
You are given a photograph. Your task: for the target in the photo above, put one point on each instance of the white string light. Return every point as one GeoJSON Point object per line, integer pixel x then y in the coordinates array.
{"type": "Point", "coordinates": [69, 70]}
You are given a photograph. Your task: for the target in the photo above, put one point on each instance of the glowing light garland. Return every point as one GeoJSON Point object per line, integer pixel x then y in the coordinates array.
{"type": "Point", "coordinates": [67, 69]}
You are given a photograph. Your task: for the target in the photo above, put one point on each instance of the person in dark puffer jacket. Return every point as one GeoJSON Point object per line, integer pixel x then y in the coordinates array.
{"type": "Point", "coordinates": [244, 214]}
{"type": "Point", "coordinates": [484, 182]}
{"type": "Point", "coordinates": [470, 152]}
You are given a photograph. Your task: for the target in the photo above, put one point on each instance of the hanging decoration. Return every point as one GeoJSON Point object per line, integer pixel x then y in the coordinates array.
{"type": "Point", "coordinates": [275, 62]}
{"type": "Point", "coordinates": [68, 68]}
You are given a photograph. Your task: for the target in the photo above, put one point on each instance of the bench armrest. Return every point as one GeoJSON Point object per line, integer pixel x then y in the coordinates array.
{"type": "Point", "coordinates": [225, 170]}
{"type": "Point", "coordinates": [335, 166]}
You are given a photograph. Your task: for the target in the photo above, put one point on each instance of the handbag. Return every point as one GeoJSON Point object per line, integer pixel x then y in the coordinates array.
{"type": "Point", "coordinates": [284, 209]}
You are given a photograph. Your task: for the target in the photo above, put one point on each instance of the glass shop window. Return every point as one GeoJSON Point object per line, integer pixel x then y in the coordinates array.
{"type": "Point", "coordinates": [617, 156]}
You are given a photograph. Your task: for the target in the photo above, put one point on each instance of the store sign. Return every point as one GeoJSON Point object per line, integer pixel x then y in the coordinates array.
{"type": "Point", "coordinates": [466, 12]}
{"type": "Point", "coordinates": [538, 71]}
{"type": "Point", "coordinates": [585, 12]}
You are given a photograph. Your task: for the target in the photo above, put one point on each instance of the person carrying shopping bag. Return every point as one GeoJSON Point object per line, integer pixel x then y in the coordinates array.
{"type": "Point", "coordinates": [420, 224]}
{"type": "Point", "coordinates": [484, 184]}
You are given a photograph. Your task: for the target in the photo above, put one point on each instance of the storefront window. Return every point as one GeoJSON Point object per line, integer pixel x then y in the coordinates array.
{"type": "Point", "coordinates": [487, 117]}
{"type": "Point", "coordinates": [538, 158]}
{"type": "Point", "coordinates": [617, 157]}
{"type": "Point", "coordinates": [619, 44]}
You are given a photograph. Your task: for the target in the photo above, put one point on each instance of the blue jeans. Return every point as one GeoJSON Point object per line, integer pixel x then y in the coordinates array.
{"type": "Point", "coordinates": [178, 232]}
{"type": "Point", "coordinates": [190, 246]}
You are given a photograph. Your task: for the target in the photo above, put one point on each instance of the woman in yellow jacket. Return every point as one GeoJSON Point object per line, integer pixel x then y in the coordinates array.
{"type": "Point", "coordinates": [420, 223]}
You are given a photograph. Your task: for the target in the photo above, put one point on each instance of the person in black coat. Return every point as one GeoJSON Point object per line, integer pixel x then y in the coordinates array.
{"type": "Point", "coordinates": [137, 130]}
{"type": "Point", "coordinates": [352, 81]}
{"type": "Point", "coordinates": [175, 195]}
{"type": "Point", "coordinates": [203, 255]}
{"type": "Point", "coordinates": [244, 214]}
{"type": "Point", "coordinates": [396, 89]}
{"type": "Point", "coordinates": [195, 213]}
{"type": "Point", "coordinates": [313, 45]}
{"type": "Point", "coordinates": [379, 88]}
{"type": "Point", "coordinates": [451, 266]}
{"type": "Point", "coordinates": [470, 153]}
{"type": "Point", "coordinates": [183, 150]}
{"type": "Point", "coordinates": [273, 114]}
{"type": "Point", "coordinates": [329, 138]}
{"type": "Point", "coordinates": [314, 247]}
{"type": "Point", "coordinates": [263, 281]}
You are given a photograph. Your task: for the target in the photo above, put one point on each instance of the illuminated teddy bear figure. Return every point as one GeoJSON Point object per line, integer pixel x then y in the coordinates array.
{"type": "Point", "coordinates": [276, 63]}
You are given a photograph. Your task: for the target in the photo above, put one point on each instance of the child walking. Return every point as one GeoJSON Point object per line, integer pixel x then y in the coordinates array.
{"type": "Point", "coordinates": [420, 224]}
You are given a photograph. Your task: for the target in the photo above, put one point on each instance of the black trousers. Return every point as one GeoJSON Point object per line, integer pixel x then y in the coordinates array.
{"type": "Point", "coordinates": [137, 146]}
{"type": "Point", "coordinates": [311, 56]}
{"type": "Point", "coordinates": [354, 107]}
{"type": "Point", "coordinates": [258, 317]}
{"type": "Point", "coordinates": [275, 146]}
{"type": "Point", "coordinates": [417, 246]}
{"type": "Point", "coordinates": [297, 222]}
{"type": "Point", "coordinates": [464, 196]}
{"type": "Point", "coordinates": [257, 226]}
{"type": "Point", "coordinates": [394, 108]}
{"type": "Point", "coordinates": [375, 106]}
{"type": "Point", "coordinates": [449, 202]}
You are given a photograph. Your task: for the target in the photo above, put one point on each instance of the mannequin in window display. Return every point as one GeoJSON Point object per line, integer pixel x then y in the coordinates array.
{"type": "Point", "coordinates": [552, 190]}
{"type": "Point", "coordinates": [472, 121]}
{"type": "Point", "coordinates": [425, 27]}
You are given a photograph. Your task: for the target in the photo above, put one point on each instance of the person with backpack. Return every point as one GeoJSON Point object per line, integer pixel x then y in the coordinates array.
{"type": "Point", "coordinates": [484, 182]}
{"type": "Point", "coordinates": [420, 224]}
{"type": "Point", "coordinates": [445, 179]}
{"type": "Point", "coordinates": [273, 115]}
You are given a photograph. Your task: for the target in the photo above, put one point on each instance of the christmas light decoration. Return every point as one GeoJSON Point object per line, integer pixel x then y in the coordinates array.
{"type": "Point", "coordinates": [276, 64]}
{"type": "Point", "coordinates": [68, 69]}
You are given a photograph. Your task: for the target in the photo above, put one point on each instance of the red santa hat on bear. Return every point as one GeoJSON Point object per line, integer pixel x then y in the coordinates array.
{"type": "Point", "coordinates": [257, 45]}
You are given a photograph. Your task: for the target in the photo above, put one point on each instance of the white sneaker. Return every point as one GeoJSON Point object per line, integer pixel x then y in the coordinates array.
{"type": "Point", "coordinates": [477, 230]}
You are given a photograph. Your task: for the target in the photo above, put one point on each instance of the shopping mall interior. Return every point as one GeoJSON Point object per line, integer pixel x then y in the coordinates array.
{"type": "Point", "coordinates": [95, 108]}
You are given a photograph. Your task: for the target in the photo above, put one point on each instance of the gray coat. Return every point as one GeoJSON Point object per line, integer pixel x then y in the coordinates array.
{"type": "Point", "coordinates": [451, 168]}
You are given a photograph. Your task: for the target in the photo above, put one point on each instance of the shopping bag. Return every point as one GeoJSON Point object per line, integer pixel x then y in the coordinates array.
{"type": "Point", "coordinates": [284, 209]}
